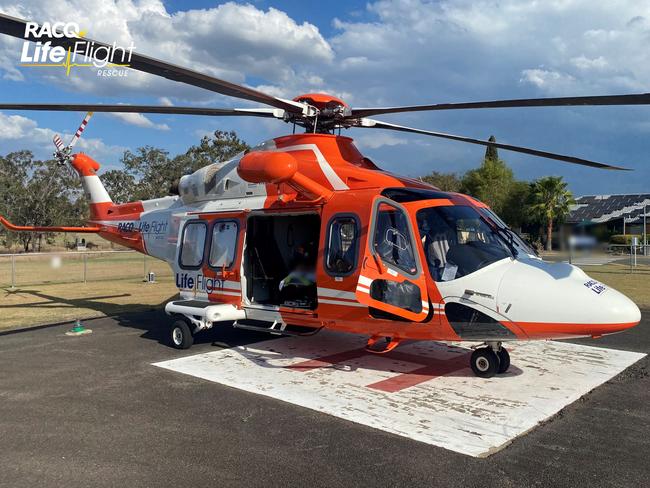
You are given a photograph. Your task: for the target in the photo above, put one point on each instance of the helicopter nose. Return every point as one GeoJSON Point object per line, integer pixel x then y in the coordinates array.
{"type": "Point", "coordinates": [619, 313]}
{"type": "Point", "coordinates": [555, 300]}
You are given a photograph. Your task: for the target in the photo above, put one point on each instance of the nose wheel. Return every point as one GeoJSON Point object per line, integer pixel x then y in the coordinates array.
{"type": "Point", "coordinates": [504, 360]}
{"type": "Point", "coordinates": [489, 360]}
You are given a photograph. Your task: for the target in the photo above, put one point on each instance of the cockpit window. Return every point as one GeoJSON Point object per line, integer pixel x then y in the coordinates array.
{"type": "Point", "coordinates": [517, 240]}
{"type": "Point", "coordinates": [457, 241]}
{"type": "Point", "coordinates": [392, 239]}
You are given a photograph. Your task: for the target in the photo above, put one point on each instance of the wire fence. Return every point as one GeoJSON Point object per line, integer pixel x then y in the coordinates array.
{"type": "Point", "coordinates": [18, 270]}
{"type": "Point", "coordinates": [29, 269]}
{"type": "Point", "coordinates": [623, 249]}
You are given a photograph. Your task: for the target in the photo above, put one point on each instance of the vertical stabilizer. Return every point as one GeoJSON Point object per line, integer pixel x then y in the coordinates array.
{"type": "Point", "coordinates": [94, 189]}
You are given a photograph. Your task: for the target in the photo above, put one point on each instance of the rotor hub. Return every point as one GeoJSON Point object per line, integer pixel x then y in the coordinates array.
{"type": "Point", "coordinates": [330, 111]}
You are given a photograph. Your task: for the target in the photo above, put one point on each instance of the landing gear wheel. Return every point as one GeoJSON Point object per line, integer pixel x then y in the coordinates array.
{"type": "Point", "coordinates": [484, 362]}
{"type": "Point", "coordinates": [180, 335]}
{"type": "Point", "coordinates": [504, 360]}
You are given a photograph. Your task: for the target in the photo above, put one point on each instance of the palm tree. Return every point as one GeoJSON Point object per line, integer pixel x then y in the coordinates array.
{"type": "Point", "coordinates": [552, 202]}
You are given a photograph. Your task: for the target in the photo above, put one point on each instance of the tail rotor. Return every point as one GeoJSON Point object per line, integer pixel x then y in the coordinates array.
{"type": "Point", "coordinates": [63, 154]}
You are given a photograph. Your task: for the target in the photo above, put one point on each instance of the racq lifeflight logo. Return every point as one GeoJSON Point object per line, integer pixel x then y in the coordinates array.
{"type": "Point", "coordinates": [109, 60]}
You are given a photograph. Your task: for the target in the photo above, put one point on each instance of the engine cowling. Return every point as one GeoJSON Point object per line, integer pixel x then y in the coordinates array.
{"type": "Point", "coordinates": [267, 167]}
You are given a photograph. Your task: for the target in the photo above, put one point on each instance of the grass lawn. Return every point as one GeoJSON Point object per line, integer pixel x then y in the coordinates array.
{"type": "Point", "coordinates": [39, 269]}
{"type": "Point", "coordinates": [51, 303]}
{"type": "Point", "coordinates": [635, 285]}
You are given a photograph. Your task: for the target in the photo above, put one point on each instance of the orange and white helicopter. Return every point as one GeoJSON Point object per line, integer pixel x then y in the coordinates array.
{"type": "Point", "coordinates": [303, 232]}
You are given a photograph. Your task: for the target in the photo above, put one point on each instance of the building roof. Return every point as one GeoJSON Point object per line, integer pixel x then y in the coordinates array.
{"type": "Point", "coordinates": [604, 208]}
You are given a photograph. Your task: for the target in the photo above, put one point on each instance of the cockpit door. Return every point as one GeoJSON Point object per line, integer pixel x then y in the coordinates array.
{"type": "Point", "coordinates": [392, 278]}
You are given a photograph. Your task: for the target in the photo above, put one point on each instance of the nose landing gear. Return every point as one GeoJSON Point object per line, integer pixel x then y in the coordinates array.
{"type": "Point", "coordinates": [504, 360]}
{"type": "Point", "coordinates": [490, 359]}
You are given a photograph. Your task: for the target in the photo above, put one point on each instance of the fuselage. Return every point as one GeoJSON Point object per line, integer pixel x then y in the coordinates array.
{"type": "Point", "coordinates": [304, 230]}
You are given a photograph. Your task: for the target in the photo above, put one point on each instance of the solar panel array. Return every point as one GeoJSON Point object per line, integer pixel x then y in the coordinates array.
{"type": "Point", "coordinates": [604, 208]}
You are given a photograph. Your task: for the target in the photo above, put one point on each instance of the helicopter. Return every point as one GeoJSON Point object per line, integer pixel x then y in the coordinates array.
{"type": "Point", "coordinates": [303, 233]}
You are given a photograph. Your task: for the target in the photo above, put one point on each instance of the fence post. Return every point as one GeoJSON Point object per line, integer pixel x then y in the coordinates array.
{"type": "Point", "coordinates": [13, 271]}
{"type": "Point", "coordinates": [144, 267]}
{"type": "Point", "coordinates": [85, 266]}
{"type": "Point", "coordinates": [645, 232]}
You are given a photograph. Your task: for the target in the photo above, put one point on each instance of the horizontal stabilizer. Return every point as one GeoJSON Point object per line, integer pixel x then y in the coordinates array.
{"type": "Point", "coordinates": [35, 228]}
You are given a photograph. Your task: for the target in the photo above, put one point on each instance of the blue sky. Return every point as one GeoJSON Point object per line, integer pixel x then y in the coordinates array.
{"type": "Point", "coordinates": [386, 52]}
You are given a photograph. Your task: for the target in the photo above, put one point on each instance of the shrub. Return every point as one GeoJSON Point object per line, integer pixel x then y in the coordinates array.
{"type": "Point", "coordinates": [623, 239]}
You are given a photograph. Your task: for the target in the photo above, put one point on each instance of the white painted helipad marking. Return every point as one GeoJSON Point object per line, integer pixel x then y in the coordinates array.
{"type": "Point", "coordinates": [424, 391]}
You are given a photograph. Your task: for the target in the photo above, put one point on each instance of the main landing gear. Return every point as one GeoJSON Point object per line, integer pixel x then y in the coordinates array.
{"type": "Point", "coordinates": [490, 359]}
{"type": "Point", "coordinates": [180, 335]}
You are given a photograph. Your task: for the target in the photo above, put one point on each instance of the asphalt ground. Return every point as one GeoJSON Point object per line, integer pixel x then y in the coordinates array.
{"type": "Point", "coordinates": [93, 411]}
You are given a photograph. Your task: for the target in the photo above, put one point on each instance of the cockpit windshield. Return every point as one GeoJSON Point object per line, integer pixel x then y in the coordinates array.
{"type": "Point", "coordinates": [457, 241]}
{"type": "Point", "coordinates": [516, 239]}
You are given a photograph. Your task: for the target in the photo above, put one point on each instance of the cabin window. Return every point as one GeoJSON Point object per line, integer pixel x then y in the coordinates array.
{"type": "Point", "coordinates": [223, 244]}
{"type": "Point", "coordinates": [392, 238]}
{"type": "Point", "coordinates": [193, 244]}
{"type": "Point", "coordinates": [342, 245]}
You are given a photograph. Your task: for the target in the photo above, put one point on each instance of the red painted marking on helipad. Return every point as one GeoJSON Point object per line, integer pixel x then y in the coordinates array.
{"type": "Point", "coordinates": [420, 375]}
{"type": "Point", "coordinates": [431, 367]}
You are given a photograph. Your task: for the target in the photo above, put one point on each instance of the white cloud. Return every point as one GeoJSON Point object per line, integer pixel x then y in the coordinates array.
{"type": "Point", "coordinates": [139, 120]}
{"type": "Point", "coordinates": [18, 132]}
{"type": "Point", "coordinates": [229, 41]}
{"type": "Point", "coordinates": [14, 127]}
{"type": "Point", "coordinates": [417, 51]}
{"type": "Point", "coordinates": [465, 46]}
{"type": "Point", "coordinates": [543, 78]}
{"type": "Point", "coordinates": [378, 139]}
{"type": "Point", "coordinates": [584, 63]}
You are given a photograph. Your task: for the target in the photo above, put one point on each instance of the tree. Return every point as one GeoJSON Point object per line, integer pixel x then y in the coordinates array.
{"type": "Point", "coordinates": [551, 203]}
{"type": "Point", "coordinates": [152, 170]}
{"type": "Point", "coordinates": [149, 172]}
{"type": "Point", "coordinates": [222, 146]}
{"type": "Point", "coordinates": [491, 183]}
{"type": "Point", "coordinates": [491, 152]}
{"type": "Point", "coordinates": [120, 185]}
{"type": "Point", "coordinates": [13, 173]}
{"type": "Point", "coordinates": [36, 193]}
{"type": "Point", "coordinates": [516, 209]}
{"type": "Point", "coordinates": [443, 181]}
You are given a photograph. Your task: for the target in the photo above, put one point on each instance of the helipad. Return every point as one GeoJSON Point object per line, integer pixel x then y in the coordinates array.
{"type": "Point", "coordinates": [424, 391]}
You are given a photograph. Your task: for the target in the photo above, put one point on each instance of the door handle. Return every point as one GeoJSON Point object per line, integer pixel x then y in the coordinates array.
{"type": "Point", "coordinates": [380, 267]}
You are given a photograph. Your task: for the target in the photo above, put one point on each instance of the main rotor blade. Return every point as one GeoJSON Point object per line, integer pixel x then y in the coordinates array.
{"type": "Point", "coordinates": [149, 109]}
{"type": "Point", "coordinates": [376, 124]}
{"type": "Point", "coordinates": [633, 99]}
{"type": "Point", "coordinates": [16, 28]}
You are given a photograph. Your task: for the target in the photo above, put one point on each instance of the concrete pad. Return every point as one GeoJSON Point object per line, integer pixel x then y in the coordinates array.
{"type": "Point", "coordinates": [424, 391]}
